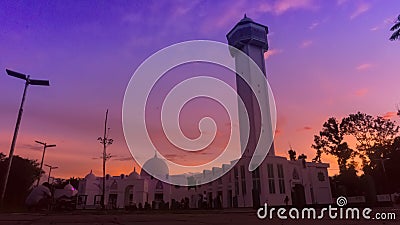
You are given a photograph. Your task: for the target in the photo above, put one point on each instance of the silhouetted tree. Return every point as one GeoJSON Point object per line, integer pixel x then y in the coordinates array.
{"type": "Point", "coordinates": [374, 135]}
{"type": "Point", "coordinates": [23, 173]}
{"type": "Point", "coordinates": [330, 141]}
{"type": "Point", "coordinates": [302, 156]}
{"type": "Point", "coordinates": [392, 166]}
{"type": "Point", "coordinates": [292, 154]}
{"type": "Point", "coordinates": [2, 156]}
{"type": "Point", "coordinates": [396, 29]}
{"type": "Point", "coordinates": [347, 183]}
{"type": "Point", "coordinates": [62, 182]}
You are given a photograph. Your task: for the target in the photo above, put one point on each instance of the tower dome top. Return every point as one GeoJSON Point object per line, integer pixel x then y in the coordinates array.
{"type": "Point", "coordinates": [246, 31]}
{"type": "Point", "coordinates": [245, 20]}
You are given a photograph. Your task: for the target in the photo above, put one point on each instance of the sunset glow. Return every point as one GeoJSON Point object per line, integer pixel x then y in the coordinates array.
{"type": "Point", "coordinates": [326, 58]}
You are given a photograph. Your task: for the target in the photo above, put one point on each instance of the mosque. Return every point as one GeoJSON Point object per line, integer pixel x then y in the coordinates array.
{"type": "Point", "coordinates": [277, 181]}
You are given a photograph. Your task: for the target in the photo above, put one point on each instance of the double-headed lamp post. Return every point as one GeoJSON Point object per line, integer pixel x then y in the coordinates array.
{"type": "Point", "coordinates": [28, 82]}
{"type": "Point", "coordinates": [45, 145]}
{"type": "Point", "coordinates": [50, 169]}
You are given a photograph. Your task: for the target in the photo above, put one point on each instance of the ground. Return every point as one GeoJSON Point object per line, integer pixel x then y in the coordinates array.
{"type": "Point", "coordinates": [231, 217]}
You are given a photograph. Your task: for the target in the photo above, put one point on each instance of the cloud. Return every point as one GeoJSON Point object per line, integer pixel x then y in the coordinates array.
{"type": "Point", "coordinates": [32, 147]}
{"type": "Point", "coordinates": [313, 25]}
{"type": "Point", "coordinates": [183, 9]}
{"type": "Point", "coordinates": [280, 6]}
{"type": "Point", "coordinates": [272, 52]}
{"type": "Point", "coordinates": [361, 92]}
{"type": "Point", "coordinates": [234, 12]}
{"type": "Point", "coordinates": [285, 5]}
{"type": "Point", "coordinates": [389, 115]}
{"type": "Point", "coordinates": [229, 16]}
{"type": "Point", "coordinates": [360, 9]}
{"type": "Point", "coordinates": [374, 28]}
{"type": "Point", "coordinates": [306, 44]}
{"type": "Point", "coordinates": [384, 24]}
{"type": "Point", "coordinates": [364, 66]}
{"type": "Point", "coordinates": [128, 158]}
{"type": "Point", "coordinates": [217, 20]}
{"type": "Point", "coordinates": [173, 156]}
{"type": "Point", "coordinates": [305, 128]}
{"type": "Point", "coordinates": [341, 2]}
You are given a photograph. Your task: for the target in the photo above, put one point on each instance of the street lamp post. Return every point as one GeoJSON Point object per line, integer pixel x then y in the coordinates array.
{"type": "Point", "coordinates": [28, 82]}
{"type": "Point", "coordinates": [50, 169]}
{"type": "Point", "coordinates": [45, 146]}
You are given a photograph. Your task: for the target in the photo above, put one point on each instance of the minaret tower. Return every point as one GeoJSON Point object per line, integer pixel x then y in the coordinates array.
{"type": "Point", "coordinates": [251, 38]}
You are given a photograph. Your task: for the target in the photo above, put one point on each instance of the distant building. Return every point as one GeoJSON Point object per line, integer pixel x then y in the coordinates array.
{"type": "Point", "coordinates": [273, 181]}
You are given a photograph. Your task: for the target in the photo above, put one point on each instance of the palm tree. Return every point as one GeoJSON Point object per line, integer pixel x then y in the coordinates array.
{"type": "Point", "coordinates": [396, 29]}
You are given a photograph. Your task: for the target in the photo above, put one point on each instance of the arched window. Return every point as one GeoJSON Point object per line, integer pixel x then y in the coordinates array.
{"type": "Point", "coordinates": [295, 174]}
{"type": "Point", "coordinates": [159, 185]}
{"type": "Point", "coordinates": [114, 185]}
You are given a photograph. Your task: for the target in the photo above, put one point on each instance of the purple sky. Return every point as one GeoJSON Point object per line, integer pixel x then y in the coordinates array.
{"type": "Point", "coordinates": [326, 58]}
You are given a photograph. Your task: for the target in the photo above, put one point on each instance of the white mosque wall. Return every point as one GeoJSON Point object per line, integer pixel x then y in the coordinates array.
{"type": "Point", "coordinates": [275, 179]}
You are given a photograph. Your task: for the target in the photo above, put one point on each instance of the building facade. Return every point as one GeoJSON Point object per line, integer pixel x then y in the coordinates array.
{"type": "Point", "coordinates": [276, 181]}
{"type": "Point", "coordinates": [277, 178]}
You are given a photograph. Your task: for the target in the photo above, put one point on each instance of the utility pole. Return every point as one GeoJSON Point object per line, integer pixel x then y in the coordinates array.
{"type": "Point", "coordinates": [28, 82]}
{"type": "Point", "coordinates": [105, 141]}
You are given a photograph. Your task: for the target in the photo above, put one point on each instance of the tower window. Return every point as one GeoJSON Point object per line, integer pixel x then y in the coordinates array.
{"type": "Point", "coordinates": [281, 180]}
{"type": "Point", "coordinates": [243, 177]}
{"type": "Point", "coordinates": [271, 180]}
{"type": "Point", "coordinates": [256, 179]}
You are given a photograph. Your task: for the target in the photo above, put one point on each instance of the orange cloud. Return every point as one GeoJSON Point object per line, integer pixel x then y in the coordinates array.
{"type": "Point", "coordinates": [361, 92]}
{"type": "Point", "coordinates": [271, 52]}
{"type": "Point", "coordinates": [304, 128]}
{"type": "Point", "coordinates": [389, 115]}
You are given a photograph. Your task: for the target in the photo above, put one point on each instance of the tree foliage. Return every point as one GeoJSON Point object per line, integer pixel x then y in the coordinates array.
{"type": "Point", "coordinates": [376, 144]}
{"type": "Point", "coordinates": [23, 173]}
{"type": "Point", "coordinates": [374, 136]}
{"type": "Point", "coordinates": [292, 154]}
{"type": "Point", "coordinates": [302, 156]}
{"type": "Point", "coordinates": [396, 30]}
{"type": "Point", "coordinates": [331, 141]}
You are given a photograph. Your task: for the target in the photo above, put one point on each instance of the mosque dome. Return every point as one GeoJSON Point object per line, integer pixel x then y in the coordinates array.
{"type": "Point", "coordinates": [69, 187]}
{"type": "Point", "coordinates": [90, 176]}
{"type": "Point", "coordinates": [134, 174]}
{"type": "Point", "coordinates": [155, 167]}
